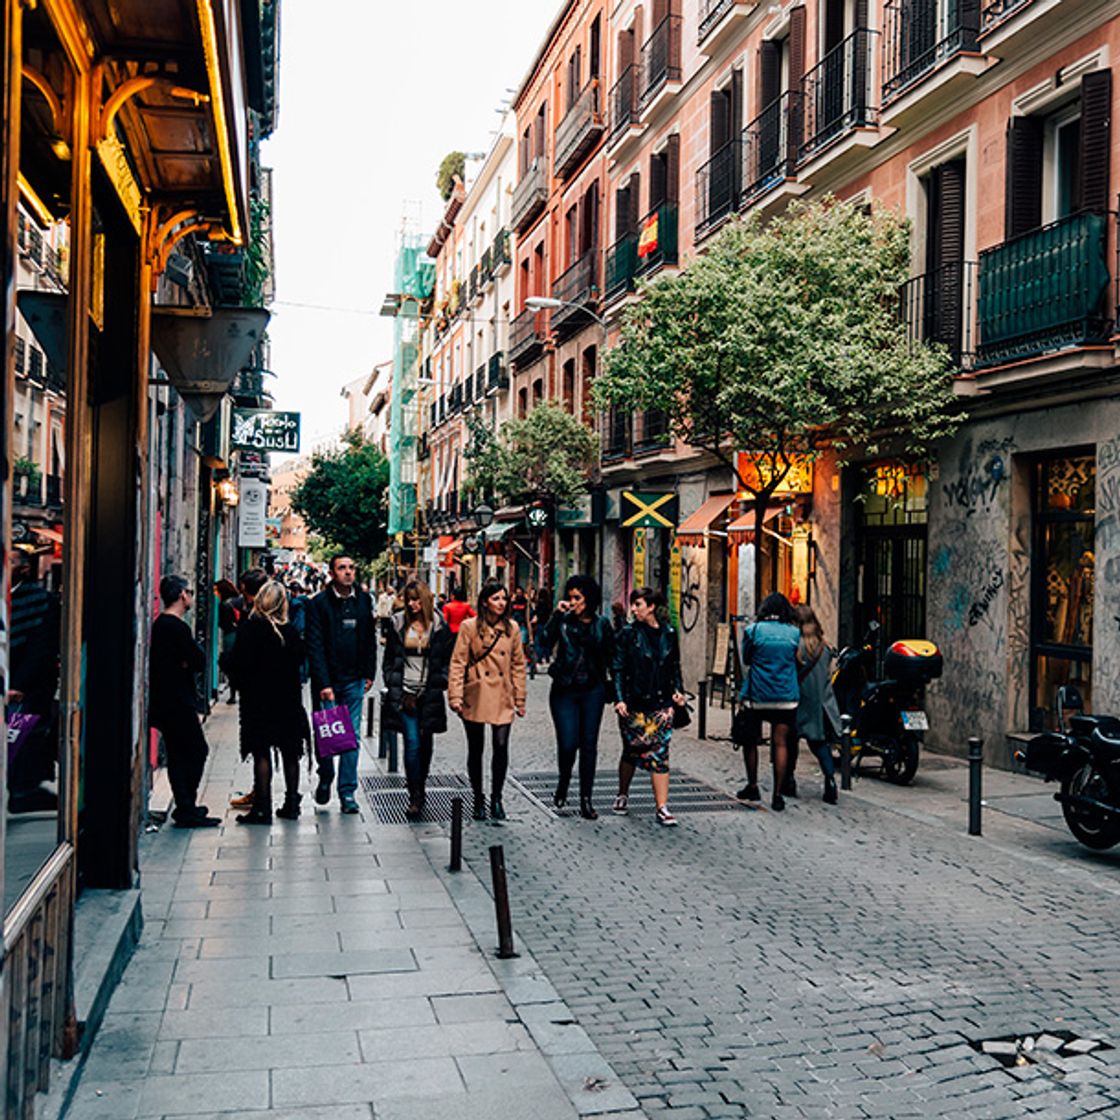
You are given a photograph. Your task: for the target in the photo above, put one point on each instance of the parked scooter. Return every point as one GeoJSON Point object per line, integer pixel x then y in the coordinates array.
{"type": "Point", "coordinates": [1084, 755]}
{"type": "Point", "coordinates": [885, 717]}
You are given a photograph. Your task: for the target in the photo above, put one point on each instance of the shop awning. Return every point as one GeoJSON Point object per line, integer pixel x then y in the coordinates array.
{"type": "Point", "coordinates": [449, 551]}
{"type": "Point", "coordinates": [497, 531]}
{"type": "Point", "coordinates": [745, 523]}
{"type": "Point", "coordinates": [49, 534]}
{"type": "Point", "coordinates": [696, 525]}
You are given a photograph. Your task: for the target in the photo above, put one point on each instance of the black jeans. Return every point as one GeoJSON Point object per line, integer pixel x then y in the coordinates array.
{"type": "Point", "coordinates": [186, 759]}
{"type": "Point", "coordinates": [577, 716]}
{"type": "Point", "coordinates": [499, 761]}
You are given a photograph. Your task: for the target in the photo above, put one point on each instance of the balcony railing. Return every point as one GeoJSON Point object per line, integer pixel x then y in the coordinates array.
{"type": "Point", "coordinates": [580, 130]}
{"type": "Point", "coordinates": [719, 186]}
{"type": "Point", "coordinates": [577, 287]}
{"type": "Point", "coordinates": [837, 92]}
{"type": "Point", "coordinates": [468, 391]}
{"type": "Point", "coordinates": [998, 11]}
{"type": "Point", "coordinates": [621, 267]}
{"type": "Point", "coordinates": [530, 194]}
{"type": "Point", "coordinates": [624, 102]}
{"type": "Point", "coordinates": [709, 13]}
{"type": "Point", "coordinates": [1045, 290]}
{"type": "Point", "coordinates": [455, 399]}
{"type": "Point", "coordinates": [657, 239]}
{"type": "Point", "coordinates": [661, 59]}
{"type": "Point", "coordinates": [617, 441]}
{"type": "Point", "coordinates": [527, 333]}
{"type": "Point", "coordinates": [502, 259]}
{"type": "Point", "coordinates": [652, 431]}
{"type": "Point", "coordinates": [480, 382]}
{"type": "Point", "coordinates": [771, 143]}
{"type": "Point", "coordinates": [938, 306]}
{"type": "Point", "coordinates": [918, 36]}
{"type": "Point", "coordinates": [496, 375]}
{"type": "Point", "coordinates": [486, 265]}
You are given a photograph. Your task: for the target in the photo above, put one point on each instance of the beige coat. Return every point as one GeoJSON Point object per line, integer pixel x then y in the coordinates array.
{"type": "Point", "coordinates": [494, 684]}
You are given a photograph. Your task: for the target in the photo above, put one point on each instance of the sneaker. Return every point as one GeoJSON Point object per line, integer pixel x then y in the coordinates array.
{"type": "Point", "coordinates": [664, 816]}
{"type": "Point", "coordinates": [749, 793]}
{"type": "Point", "coordinates": [621, 805]}
{"type": "Point", "coordinates": [347, 804]}
{"type": "Point", "coordinates": [323, 793]}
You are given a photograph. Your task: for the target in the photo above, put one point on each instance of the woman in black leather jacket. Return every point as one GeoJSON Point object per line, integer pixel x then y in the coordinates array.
{"type": "Point", "coordinates": [580, 668]}
{"type": "Point", "coordinates": [647, 684]}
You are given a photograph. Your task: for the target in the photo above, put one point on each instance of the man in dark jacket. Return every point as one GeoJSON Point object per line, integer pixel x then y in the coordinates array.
{"type": "Point", "coordinates": [173, 702]}
{"type": "Point", "coordinates": [342, 653]}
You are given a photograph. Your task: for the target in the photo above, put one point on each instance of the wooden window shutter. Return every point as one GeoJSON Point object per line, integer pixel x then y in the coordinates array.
{"type": "Point", "coordinates": [1023, 185]}
{"type": "Point", "coordinates": [634, 188]}
{"type": "Point", "coordinates": [950, 232]}
{"type": "Point", "coordinates": [970, 23]}
{"type": "Point", "coordinates": [769, 73]}
{"type": "Point", "coordinates": [657, 180]}
{"type": "Point", "coordinates": [720, 124]}
{"type": "Point", "coordinates": [673, 170]}
{"type": "Point", "coordinates": [621, 212]}
{"type": "Point", "coordinates": [796, 46]}
{"type": "Point", "coordinates": [625, 51]}
{"type": "Point", "coordinates": [1096, 140]}
{"type": "Point", "coordinates": [736, 107]}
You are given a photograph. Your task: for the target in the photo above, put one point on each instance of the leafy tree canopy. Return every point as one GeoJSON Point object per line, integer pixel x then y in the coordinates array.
{"type": "Point", "coordinates": [342, 499]}
{"type": "Point", "coordinates": [454, 163]}
{"type": "Point", "coordinates": [548, 455]}
{"type": "Point", "coordinates": [784, 339]}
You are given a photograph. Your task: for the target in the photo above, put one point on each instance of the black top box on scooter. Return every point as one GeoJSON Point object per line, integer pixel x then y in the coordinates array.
{"type": "Point", "coordinates": [913, 662]}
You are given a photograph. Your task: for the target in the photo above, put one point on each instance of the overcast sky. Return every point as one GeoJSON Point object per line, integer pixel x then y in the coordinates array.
{"type": "Point", "coordinates": [372, 96]}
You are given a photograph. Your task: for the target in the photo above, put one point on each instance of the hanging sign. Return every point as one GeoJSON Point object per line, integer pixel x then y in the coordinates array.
{"type": "Point", "coordinates": [645, 509]}
{"type": "Point", "coordinates": [262, 429]}
{"type": "Point", "coordinates": [675, 584]}
{"type": "Point", "coordinates": [252, 514]}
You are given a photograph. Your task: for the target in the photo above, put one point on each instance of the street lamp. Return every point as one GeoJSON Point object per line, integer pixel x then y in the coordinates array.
{"type": "Point", "coordinates": [483, 516]}
{"type": "Point", "coordinates": [547, 303]}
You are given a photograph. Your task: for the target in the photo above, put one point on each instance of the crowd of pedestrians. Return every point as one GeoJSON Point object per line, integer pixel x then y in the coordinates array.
{"type": "Point", "coordinates": [474, 661]}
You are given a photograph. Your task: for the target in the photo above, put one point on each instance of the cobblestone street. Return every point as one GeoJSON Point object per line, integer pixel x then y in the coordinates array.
{"type": "Point", "coordinates": [824, 962]}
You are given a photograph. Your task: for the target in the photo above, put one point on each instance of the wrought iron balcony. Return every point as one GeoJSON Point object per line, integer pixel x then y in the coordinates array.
{"type": "Point", "coordinates": [580, 130]}
{"type": "Point", "coordinates": [486, 265]}
{"type": "Point", "coordinates": [617, 436]}
{"type": "Point", "coordinates": [501, 258]}
{"type": "Point", "coordinates": [918, 37]}
{"type": "Point", "coordinates": [1045, 290]}
{"type": "Point", "coordinates": [527, 334]}
{"type": "Point", "coordinates": [938, 307]}
{"type": "Point", "coordinates": [997, 11]}
{"type": "Point", "coordinates": [624, 102]}
{"type": "Point", "coordinates": [455, 403]}
{"type": "Point", "coordinates": [497, 377]}
{"type": "Point", "coordinates": [578, 288]}
{"type": "Point", "coordinates": [771, 143]}
{"type": "Point", "coordinates": [480, 382]}
{"type": "Point", "coordinates": [837, 92]}
{"type": "Point", "coordinates": [530, 194]}
{"type": "Point", "coordinates": [657, 239]}
{"type": "Point", "coordinates": [661, 59]}
{"type": "Point", "coordinates": [621, 268]}
{"type": "Point", "coordinates": [712, 14]}
{"type": "Point", "coordinates": [719, 187]}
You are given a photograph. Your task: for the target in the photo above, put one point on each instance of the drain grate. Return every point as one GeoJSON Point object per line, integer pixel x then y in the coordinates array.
{"type": "Point", "coordinates": [1057, 1051]}
{"type": "Point", "coordinates": [388, 796]}
{"type": "Point", "coordinates": [686, 795]}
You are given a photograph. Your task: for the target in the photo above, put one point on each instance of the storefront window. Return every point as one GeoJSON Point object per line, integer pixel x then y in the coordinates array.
{"type": "Point", "coordinates": [1063, 569]}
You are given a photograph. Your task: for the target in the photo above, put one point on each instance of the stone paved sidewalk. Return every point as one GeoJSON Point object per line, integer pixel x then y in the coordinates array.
{"type": "Point", "coordinates": [324, 969]}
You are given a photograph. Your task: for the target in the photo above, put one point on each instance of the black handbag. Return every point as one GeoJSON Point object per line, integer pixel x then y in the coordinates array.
{"type": "Point", "coordinates": [743, 730]}
{"type": "Point", "coordinates": [682, 715]}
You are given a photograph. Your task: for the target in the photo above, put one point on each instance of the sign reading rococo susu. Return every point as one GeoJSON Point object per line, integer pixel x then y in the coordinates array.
{"type": "Point", "coordinates": [262, 429]}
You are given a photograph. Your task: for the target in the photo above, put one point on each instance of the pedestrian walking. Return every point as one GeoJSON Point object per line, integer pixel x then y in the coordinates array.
{"type": "Point", "coordinates": [342, 654]}
{"type": "Point", "coordinates": [647, 687]}
{"type": "Point", "coordinates": [538, 620]}
{"type": "Point", "coordinates": [417, 658]}
{"type": "Point", "coordinates": [770, 693]}
{"type": "Point", "coordinates": [229, 617]}
{"type": "Point", "coordinates": [580, 643]}
{"type": "Point", "coordinates": [818, 713]}
{"type": "Point", "coordinates": [385, 599]}
{"type": "Point", "coordinates": [458, 609]}
{"type": "Point", "coordinates": [265, 664]}
{"type": "Point", "coordinates": [519, 612]}
{"type": "Point", "coordinates": [487, 686]}
{"type": "Point", "coordinates": [173, 703]}
{"type": "Point", "coordinates": [249, 584]}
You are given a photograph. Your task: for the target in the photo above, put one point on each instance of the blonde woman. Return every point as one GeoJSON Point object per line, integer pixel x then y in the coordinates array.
{"type": "Point", "coordinates": [818, 714]}
{"type": "Point", "coordinates": [417, 651]}
{"type": "Point", "coordinates": [264, 665]}
{"type": "Point", "coordinates": [487, 686]}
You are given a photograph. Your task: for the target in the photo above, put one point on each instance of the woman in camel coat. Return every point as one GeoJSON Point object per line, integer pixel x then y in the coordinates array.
{"type": "Point", "coordinates": [486, 685]}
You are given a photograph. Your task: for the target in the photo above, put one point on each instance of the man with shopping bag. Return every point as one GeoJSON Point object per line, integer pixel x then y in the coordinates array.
{"type": "Point", "coordinates": [342, 653]}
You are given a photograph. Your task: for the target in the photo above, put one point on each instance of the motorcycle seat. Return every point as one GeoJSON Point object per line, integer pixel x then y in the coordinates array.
{"type": "Point", "coordinates": [1104, 728]}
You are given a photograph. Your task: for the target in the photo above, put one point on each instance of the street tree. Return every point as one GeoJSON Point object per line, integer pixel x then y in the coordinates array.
{"type": "Point", "coordinates": [453, 166]}
{"type": "Point", "coordinates": [342, 498]}
{"type": "Point", "coordinates": [784, 340]}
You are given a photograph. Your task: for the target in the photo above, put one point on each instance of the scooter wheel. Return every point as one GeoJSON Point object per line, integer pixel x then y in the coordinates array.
{"type": "Point", "coordinates": [901, 764]}
{"type": "Point", "coordinates": [1091, 827]}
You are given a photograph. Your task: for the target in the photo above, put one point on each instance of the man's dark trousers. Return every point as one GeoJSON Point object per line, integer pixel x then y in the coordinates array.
{"type": "Point", "coordinates": [186, 760]}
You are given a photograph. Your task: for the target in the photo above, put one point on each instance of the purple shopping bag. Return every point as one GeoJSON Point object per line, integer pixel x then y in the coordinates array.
{"type": "Point", "coordinates": [334, 733]}
{"type": "Point", "coordinates": [20, 726]}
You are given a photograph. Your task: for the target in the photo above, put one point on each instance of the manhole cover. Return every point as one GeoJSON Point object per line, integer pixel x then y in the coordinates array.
{"type": "Point", "coordinates": [388, 796]}
{"type": "Point", "coordinates": [1050, 1049]}
{"type": "Point", "coordinates": [686, 795]}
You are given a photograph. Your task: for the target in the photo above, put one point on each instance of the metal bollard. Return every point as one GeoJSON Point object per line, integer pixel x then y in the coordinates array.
{"type": "Point", "coordinates": [369, 718]}
{"type": "Point", "coordinates": [393, 752]}
{"type": "Point", "coordinates": [702, 709]}
{"type": "Point", "coordinates": [501, 902]}
{"type": "Point", "coordinates": [846, 752]}
{"type": "Point", "coordinates": [975, 784]}
{"type": "Point", "coordinates": [456, 863]}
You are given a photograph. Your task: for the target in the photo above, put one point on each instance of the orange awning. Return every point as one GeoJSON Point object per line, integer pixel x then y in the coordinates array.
{"type": "Point", "coordinates": [745, 523]}
{"type": "Point", "coordinates": [698, 523]}
{"type": "Point", "coordinates": [449, 552]}
{"type": "Point", "coordinates": [49, 534]}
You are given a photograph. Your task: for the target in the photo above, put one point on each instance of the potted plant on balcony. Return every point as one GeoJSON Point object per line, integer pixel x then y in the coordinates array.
{"type": "Point", "coordinates": [27, 475]}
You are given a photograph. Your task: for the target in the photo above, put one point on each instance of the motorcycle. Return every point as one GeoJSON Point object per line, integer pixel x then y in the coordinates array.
{"type": "Point", "coordinates": [1084, 756]}
{"type": "Point", "coordinates": [884, 718]}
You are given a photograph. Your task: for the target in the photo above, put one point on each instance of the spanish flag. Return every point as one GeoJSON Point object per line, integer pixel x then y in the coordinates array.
{"type": "Point", "coordinates": [647, 240]}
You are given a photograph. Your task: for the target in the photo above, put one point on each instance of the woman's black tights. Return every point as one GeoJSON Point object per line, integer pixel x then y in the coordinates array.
{"type": "Point", "coordinates": [262, 777]}
{"type": "Point", "coordinates": [499, 761]}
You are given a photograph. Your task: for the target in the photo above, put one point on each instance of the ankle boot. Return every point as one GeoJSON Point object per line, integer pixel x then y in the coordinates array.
{"type": "Point", "coordinates": [560, 797]}
{"type": "Point", "coordinates": [587, 810]}
{"type": "Point", "coordinates": [830, 794]}
{"type": "Point", "coordinates": [412, 813]}
{"type": "Point", "coordinates": [479, 812]}
{"type": "Point", "coordinates": [497, 809]}
{"type": "Point", "coordinates": [289, 811]}
{"type": "Point", "coordinates": [260, 813]}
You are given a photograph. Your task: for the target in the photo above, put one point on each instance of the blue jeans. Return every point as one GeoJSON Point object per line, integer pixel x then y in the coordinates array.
{"type": "Point", "coordinates": [823, 751]}
{"type": "Point", "coordinates": [577, 716]}
{"type": "Point", "coordinates": [348, 694]}
{"type": "Point", "coordinates": [417, 750]}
